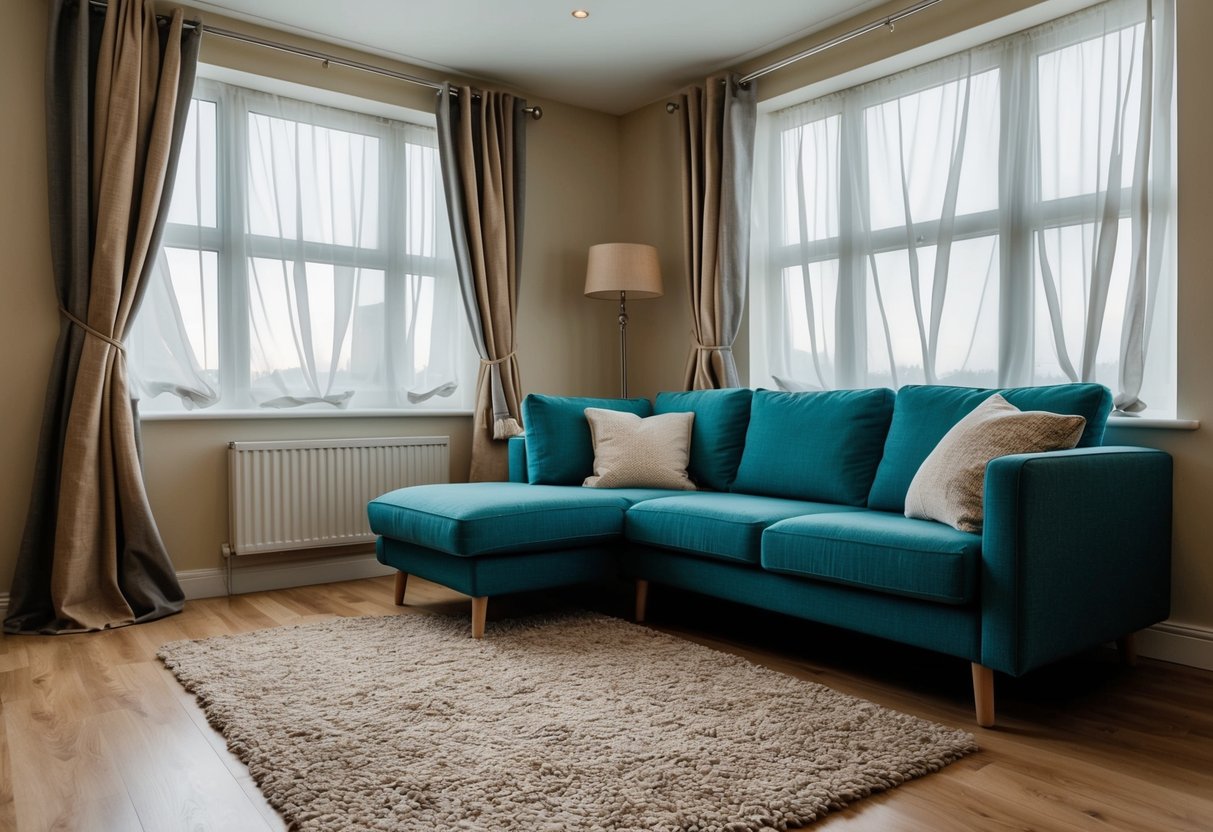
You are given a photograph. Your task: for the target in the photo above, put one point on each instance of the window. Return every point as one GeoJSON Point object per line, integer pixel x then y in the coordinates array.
{"type": "Point", "coordinates": [1002, 217]}
{"type": "Point", "coordinates": [306, 264]}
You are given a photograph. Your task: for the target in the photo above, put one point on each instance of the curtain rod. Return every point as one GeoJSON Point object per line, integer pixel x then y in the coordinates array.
{"type": "Point", "coordinates": [327, 60]}
{"type": "Point", "coordinates": [886, 22]}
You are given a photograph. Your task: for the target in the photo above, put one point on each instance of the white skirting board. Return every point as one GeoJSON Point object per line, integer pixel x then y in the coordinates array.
{"type": "Point", "coordinates": [259, 577]}
{"type": "Point", "coordinates": [1178, 643]}
{"type": "Point", "coordinates": [1171, 642]}
{"type": "Point", "coordinates": [258, 574]}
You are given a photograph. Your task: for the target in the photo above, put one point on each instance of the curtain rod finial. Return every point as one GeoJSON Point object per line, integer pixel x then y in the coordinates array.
{"type": "Point", "coordinates": [671, 107]}
{"type": "Point", "coordinates": [536, 112]}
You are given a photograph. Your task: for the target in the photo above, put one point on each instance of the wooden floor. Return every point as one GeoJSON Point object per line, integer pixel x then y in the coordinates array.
{"type": "Point", "coordinates": [96, 735]}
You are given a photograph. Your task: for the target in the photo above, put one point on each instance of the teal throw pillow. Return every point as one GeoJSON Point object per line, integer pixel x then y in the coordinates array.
{"type": "Point", "coordinates": [559, 448]}
{"type": "Point", "coordinates": [718, 434]}
{"type": "Point", "coordinates": [815, 446]}
{"type": "Point", "coordinates": [923, 414]}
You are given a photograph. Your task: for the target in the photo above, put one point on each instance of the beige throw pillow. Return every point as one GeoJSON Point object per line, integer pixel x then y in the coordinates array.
{"type": "Point", "coordinates": [950, 484]}
{"type": "Point", "coordinates": [630, 452]}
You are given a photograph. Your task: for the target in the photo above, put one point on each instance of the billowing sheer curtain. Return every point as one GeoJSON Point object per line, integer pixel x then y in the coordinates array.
{"type": "Point", "coordinates": [307, 263]}
{"type": "Point", "coordinates": [1000, 217]}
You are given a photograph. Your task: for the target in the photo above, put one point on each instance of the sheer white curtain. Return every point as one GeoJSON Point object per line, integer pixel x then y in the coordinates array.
{"type": "Point", "coordinates": [1000, 217]}
{"type": "Point", "coordinates": [324, 276]}
{"type": "Point", "coordinates": [174, 341]}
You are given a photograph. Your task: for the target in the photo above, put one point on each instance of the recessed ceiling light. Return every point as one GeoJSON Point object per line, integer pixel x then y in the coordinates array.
{"type": "Point", "coordinates": [580, 14]}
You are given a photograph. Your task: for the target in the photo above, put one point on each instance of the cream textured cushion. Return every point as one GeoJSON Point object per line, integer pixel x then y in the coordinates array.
{"type": "Point", "coordinates": [950, 484]}
{"type": "Point", "coordinates": [630, 452]}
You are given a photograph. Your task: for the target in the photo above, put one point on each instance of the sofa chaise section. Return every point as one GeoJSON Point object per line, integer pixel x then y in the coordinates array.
{"type": "Point", "coordinates": [486, 539]}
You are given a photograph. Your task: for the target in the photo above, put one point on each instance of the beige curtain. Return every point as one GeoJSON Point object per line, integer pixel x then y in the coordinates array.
{"type": "Point", "coordinates": [91, 557]}
{"type": "Point", "coordinates": [718, 121]}
{"type": "Point", "coordinates": [482, 147]}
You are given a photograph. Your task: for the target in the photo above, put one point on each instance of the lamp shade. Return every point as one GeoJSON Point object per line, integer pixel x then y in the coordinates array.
{"type": "Point", "coordinates": [623, 267]}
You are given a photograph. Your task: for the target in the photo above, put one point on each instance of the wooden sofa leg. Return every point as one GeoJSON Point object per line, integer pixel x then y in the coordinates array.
{"type": "Point", "coordinates": [480, 608]}
{"type": "Point", "coordinates": [402, 579]}
{"type": "Point", "coordinates": [642, 598]}
{"type": "Point", "coordinates": [1127, 647]}
{"type": "Point", "coordinates": [983, 694]}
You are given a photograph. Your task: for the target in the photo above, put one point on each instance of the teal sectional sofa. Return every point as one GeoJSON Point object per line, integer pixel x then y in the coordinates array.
{"type": "Point", "coordinates": [801, 511]}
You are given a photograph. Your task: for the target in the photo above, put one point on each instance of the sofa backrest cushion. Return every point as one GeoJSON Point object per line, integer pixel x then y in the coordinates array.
{"type": "Point", "coordinates": [559, 448]}
{"type": "Point", "coordinates": [718, 434]}
{"type": "Point", "coordinates": [924, 413]}
{"type": "Point", "coordinates": [815, 446]}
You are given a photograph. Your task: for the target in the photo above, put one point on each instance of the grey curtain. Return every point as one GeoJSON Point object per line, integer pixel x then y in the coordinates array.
{"type": "Point", "coordinates": [718, 123]}
{"type": "Point", "coordinates": [482, 148]}
{"type": "Point", "coordinates": [117, 95]}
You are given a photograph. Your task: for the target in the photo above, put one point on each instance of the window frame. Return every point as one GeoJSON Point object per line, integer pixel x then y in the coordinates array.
{"type": "Point", "coordinates": [234, 243]}
{"type": "Point", "coordinates": [774, 256]}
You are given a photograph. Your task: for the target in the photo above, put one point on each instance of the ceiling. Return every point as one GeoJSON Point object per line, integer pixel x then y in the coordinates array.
{"type": "Point", "coordinates": [626, 54]}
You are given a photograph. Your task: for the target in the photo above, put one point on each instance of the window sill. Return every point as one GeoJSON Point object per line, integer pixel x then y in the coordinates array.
{"type": "Point", "coordinates": [1152, 423]}
{"type": "Point", "coordinates": [236, 415]}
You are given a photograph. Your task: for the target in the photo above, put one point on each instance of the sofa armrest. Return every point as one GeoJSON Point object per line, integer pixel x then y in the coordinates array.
{"type": "Point", "coordinates": [1076, 551]}
{"type": "Point", "coordinates": [518, 469]}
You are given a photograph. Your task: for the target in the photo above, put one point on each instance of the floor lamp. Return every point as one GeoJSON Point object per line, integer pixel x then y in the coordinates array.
{"type": "Point", "coordinates": [622, 271]}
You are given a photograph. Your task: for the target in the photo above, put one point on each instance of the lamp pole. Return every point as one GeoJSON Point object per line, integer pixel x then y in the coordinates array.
{"type": "Point", "coordinates": [623, 345]}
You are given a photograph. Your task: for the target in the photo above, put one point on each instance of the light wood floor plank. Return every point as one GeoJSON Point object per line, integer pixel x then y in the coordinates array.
{"type": "Point", "coordinates": [8, 806]}
{"type": "Point", "coordinates": [173, 778]}
{"type": "Point", "coordinates": [61, 778]}
{"type": "Point", "coordinates": [95, 734]}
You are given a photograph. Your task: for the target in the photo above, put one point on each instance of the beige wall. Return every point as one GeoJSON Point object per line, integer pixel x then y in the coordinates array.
{"type": "Point", "coordinates": [28, 319]}
{"type": "Point", "coordinates": [651, 214]}
{"type": "Point", "coordinates": [566, 343]}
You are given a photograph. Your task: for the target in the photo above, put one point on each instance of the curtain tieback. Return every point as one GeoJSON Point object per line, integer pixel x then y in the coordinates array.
{"type": "Point", "coordinates": [699, 346]}
{"type": "Point", "coordinates": [93, 332]}
{"type": "Point", "coordinates": [504, 424]}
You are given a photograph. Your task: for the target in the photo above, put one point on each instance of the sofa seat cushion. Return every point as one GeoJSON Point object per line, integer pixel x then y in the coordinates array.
{"type": "Point", "coordinates": [877, 551]}
{"type": "Point", "coordinates": [716, 525]}
{"type": "Point", "coordinates": [482, 518]}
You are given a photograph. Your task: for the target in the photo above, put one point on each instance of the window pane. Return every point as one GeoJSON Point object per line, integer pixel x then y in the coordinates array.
{"type": "Point", "coordinates": [195, 185]}
{"type": "Point", "coordinates": [194, 276]}
{"type": "Point", "coordinates": [422, 179]}
{"type": "Point", "coordinates": [303, 318]}
{"type": "Point", "coordinates": [810, 181]}
{"type": "Point", "coordinates": [312, 183]}
{"type": "Point", "coordinates": [912, 142]}
{"type": "Point", "coordinates": [1090, 94]}
{"type": "Point", "coordinates": [419, 318]}
{"type": "Point", "coordinates": [1071, 252]}
{"type": "Point", "coordinates": [964, 347]}
{"type": "Point", "coordinates": [174, 340]}
{"type": "Point", "coordinates": [810, 298]}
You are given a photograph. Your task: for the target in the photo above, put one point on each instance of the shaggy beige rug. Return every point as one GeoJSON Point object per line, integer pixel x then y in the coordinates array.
{"type": "Point", "coordinates": [579, 723]}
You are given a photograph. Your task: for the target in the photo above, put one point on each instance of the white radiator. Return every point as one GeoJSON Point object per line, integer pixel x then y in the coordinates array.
{"type": "Point", "coordinates": [312, 493]}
